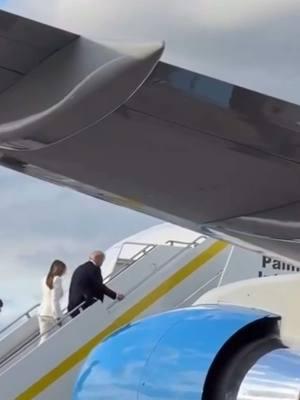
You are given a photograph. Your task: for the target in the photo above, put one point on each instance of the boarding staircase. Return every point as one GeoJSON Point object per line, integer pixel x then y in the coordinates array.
{"type": "Point", "coordinates": [155, 278]}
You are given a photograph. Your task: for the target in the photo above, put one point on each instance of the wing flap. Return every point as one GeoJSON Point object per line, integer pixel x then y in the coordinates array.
{"type": "Point", "coordinates": [170, 165]}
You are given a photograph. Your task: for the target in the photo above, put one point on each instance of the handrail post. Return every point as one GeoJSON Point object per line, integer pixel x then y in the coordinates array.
{"type": "Point", "coordinates": [226, 266]}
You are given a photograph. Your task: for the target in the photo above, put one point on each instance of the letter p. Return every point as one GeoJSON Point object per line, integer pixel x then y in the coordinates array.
{"type": "Point", "coordinates": [266, 261]}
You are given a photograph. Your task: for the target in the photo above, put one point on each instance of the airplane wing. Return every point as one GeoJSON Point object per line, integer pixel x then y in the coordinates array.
{"type": "Point", "coordinates": [112, 121]}
{"type": "Point", "coordinates": [24, 45]}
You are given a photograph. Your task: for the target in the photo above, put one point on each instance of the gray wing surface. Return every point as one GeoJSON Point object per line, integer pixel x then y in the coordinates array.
{"type": "Point", "coordinates": [24, 45]}
{"type": "Point", "coordinates": [114, 122]}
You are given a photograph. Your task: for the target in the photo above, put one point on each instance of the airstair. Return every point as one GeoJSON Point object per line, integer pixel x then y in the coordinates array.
{"type": "Point", "coordinates": [154, 279]}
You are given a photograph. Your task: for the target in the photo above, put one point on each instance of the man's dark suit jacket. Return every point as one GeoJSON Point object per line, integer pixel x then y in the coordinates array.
{"type": "Point", "coordinates": [86, 286]}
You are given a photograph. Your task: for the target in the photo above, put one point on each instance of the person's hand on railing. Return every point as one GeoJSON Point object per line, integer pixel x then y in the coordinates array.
{"type": "Point", "coordinates": [120, 296]}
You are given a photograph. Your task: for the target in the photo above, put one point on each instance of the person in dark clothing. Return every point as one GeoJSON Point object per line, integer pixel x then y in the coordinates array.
{"type": "Point", "coordinates": [87, 285]}
{"type": "Point", "coordinates": [1, 305]}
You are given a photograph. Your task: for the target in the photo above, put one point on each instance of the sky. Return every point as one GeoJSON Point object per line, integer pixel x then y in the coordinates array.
{"type": "Point", "coordinates": [253, 43]}
{"type": "Point", "coordinates": [41, 222]}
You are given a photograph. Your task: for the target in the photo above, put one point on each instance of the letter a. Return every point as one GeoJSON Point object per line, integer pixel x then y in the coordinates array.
{"type": "Point", "coordinates": [276, 264]}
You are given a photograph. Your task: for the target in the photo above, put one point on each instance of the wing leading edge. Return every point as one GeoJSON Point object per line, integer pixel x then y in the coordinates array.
{"type": "Point", "coordinates": [115, 123]}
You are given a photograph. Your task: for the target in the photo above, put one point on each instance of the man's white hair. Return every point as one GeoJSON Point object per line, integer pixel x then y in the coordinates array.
{"type": "Point", "coordinates": [96, 254]}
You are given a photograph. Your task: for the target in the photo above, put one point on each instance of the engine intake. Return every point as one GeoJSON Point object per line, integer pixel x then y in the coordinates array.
{"type": "Point", "coordinates": [207, 352]}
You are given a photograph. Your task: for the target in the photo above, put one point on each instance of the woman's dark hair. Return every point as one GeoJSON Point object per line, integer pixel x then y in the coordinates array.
{"type": "Point", "coordinates": [57, 269]}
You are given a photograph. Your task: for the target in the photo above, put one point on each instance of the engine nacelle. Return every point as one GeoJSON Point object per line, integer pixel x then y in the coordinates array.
{"type": "Point", "coordinates": [207, 352]}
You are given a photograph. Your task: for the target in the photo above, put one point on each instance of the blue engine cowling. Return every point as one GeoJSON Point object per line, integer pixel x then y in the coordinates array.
{"type": "Point", "coordinates": [206, 352]}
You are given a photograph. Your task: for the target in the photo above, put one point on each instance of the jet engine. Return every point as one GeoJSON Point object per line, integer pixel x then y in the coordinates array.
{"type": "Point", "coordinates": [206, 352]}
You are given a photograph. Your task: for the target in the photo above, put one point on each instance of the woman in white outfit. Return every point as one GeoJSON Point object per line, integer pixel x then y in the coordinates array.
{"type": "Point", "coordinates": [50, 310]}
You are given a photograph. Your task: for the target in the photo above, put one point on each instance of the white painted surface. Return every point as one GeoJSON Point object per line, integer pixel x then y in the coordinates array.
{"type": "Point", "coordinates": [158, 234]}
{"type": "Point", "coordinates": [17, 336]}
{"type": "Point", "coordinates": [277, 294]}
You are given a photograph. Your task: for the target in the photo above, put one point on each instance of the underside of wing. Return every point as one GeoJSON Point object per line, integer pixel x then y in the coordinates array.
{"type": "Point", "coordinates": [112, 121]}
{"type": "Point", "coordinates": [24, 45]}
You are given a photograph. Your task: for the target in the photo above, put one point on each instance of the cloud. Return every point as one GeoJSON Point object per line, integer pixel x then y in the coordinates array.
{"type": "Point", "coordinates": [40, 222]}
{"type": "Point", "coordinates": [233, 14]}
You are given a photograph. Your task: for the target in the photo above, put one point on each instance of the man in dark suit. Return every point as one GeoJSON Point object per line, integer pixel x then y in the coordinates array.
{"type": "Point", "coordinates": [87, 284]}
